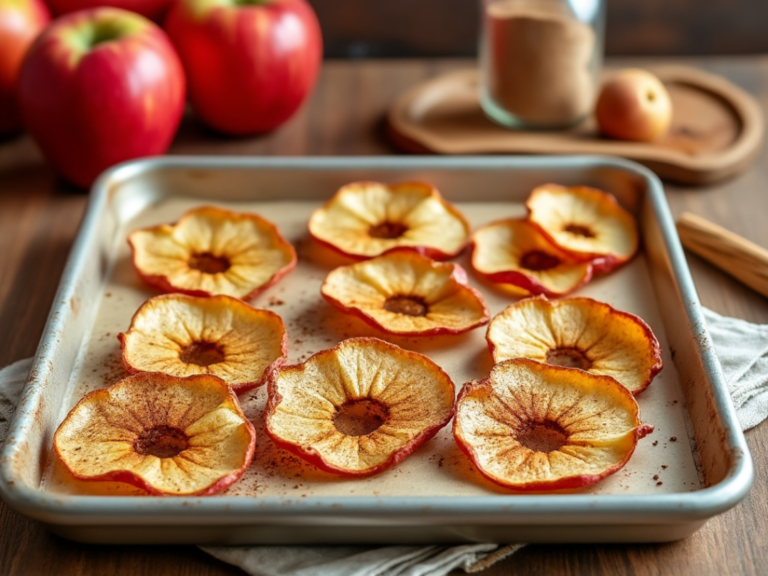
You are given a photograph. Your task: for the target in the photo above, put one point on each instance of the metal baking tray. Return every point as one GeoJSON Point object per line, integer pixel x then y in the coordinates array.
{"type": "Point", "coordinates": [694, 466]}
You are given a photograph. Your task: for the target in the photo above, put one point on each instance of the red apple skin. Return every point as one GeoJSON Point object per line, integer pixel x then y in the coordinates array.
{"type": "Point", "coordinates": [249, 66]}
{"type": "Point", "coordinates": [20, 23]}
{"type": "Point", "coordinates": [152, 9]}
{"type": "Point", "coordinates": [92, 106]}
{"type": "Point", "coordinates": [633, 105]}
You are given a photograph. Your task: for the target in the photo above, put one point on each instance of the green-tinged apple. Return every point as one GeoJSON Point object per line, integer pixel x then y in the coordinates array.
{"type": "Point", "coordinates": [633, 105]}
{"type": "Point", "coordinates": [20, 23]}
{"type": "Point", "coordinates": [154, 9]}
{"type": "Point", "coordinates": [249, 63]}
{"type": "Point", "coordinates": [99, 87]}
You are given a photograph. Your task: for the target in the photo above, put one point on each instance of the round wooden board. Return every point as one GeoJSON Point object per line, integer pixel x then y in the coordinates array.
{"type": "Point", "coordinates": [716, 131]}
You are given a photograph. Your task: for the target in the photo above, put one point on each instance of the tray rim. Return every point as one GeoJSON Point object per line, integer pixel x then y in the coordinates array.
{"type": "Point", "coordinates": [490, 509]}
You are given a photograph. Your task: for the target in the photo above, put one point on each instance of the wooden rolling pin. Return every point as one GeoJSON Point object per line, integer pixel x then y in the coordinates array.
{"type": "Point", "coordinates": [733, 254]}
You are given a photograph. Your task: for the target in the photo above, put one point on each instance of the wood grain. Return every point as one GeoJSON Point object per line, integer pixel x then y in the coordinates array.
{"type": "Point", "coordinates": [39, 217]}
{"type": "Point", "coordinates": [742, 259]}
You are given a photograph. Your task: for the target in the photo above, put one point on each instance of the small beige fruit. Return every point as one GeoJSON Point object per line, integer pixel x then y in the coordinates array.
{"type": "Point", "coordinates": [634, 105]}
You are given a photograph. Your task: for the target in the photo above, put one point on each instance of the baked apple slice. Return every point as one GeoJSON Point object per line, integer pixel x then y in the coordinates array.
{"type": "Point", "coordinates": [588, 223]}
{"type": "Point", "coordinates": [358, 408]}
{"type": "Point", "coordinates": [515, 252]}
{"type": "Point", "coordinates": [405, 293]}
{"type": "Point", "coordinates": [578, 333]}
{"type": "Point", "coordinates": [166, 435]}
{"type": "Point", "coordinates": [212, 251]}
{"type": "Point", "coordinates": [367, 219]}
{"type": "Point", "coordinates": [222, 336]}
{"type": "Point", "coordinates": [530, 426]}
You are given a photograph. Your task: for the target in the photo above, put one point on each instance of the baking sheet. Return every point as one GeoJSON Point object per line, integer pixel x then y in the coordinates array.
{"type": "Point", "coordinates": [451, 503]}
{"type": "Point", "coordinates": [664, 462]}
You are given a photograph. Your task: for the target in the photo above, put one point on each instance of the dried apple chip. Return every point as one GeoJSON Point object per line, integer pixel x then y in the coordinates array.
{"type": "Point", "coordinates": [578, 333]}
{"type": "Point", "coordinates": [212, 251]}
{"type": "Point", "coordinates": [222, 336]}
{"type": "Point", "coordinates": [588, 223]}
{"type": "Point", "coordinates": [367, 219]}
{"type": "Point", "coordinates": [515, 252]}
{"type": "Point", "coordinates": [530, 426]}
{"type": "Point", "coordinates": [408, 294]}
{"type": "Point", "coordinates": [166, 435]}
{"type": "Point", "coordinates": [358, 408]}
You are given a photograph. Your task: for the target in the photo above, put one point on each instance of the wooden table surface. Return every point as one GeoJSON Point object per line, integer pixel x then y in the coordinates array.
{"type": "Point", "coordinates": [39, 217]}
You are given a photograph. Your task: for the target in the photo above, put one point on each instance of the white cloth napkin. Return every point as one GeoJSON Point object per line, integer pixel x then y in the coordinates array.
{"type": "Point", "coordinates": [361, 560]}
{"type": "Point", "coordinates": [742, 348]}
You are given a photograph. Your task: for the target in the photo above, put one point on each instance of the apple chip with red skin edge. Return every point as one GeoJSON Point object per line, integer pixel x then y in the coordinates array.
{"type": "Point", "coordinates": [578, 333]}
{"type": "Point", "coordinates": [359, 408]}
{"type": "Point", "coordinates": [367, 219]}
{"type": "Point", "coordinates": [515, 252]}
{"type": "Point", "coordinates": [212, 251]}
{"type": "Point", "coordinates": [182, 335]}
{"type": "Point", "coordinates": [166, 435]}
{"type": "Point", "coordinates": [533, 427]}
{"type": "Point", "coordinates": [405, 293]}
{"type": "Point", "coordinates": [588, 223]}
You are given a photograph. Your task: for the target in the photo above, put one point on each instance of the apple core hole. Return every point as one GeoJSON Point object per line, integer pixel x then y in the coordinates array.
{"type": "Point", "coordinates": [408, 305]}
{"type": "Point", "coordinates": [202, 354]}
{"type": "Point", "coordinates": [579, 230]}
{"type": "Point", "coordinates": [538, 260]}
{"type": "Point", "coordinates": [543, 437]}
{"type": "Point", "coordinates": [650, 96]}
{"type": "Point", "coordinates": [568, 358]}
{"type": "Point", "coordinates": [161, 441]}
{"type": "Point", "coordinates": [360, 417]}
{"type": "Point", "coordinates": [387, 230]}
{"type": "Point", "coordinates": [208, 263]}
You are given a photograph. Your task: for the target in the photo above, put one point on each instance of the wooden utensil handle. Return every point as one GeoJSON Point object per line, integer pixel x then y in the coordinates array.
{"type": "Point", "coordinates": [733, 254]}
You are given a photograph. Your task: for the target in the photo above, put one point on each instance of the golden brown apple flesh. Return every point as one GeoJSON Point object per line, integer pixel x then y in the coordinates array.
{"type": "Point", "coordinates": [633, 105]}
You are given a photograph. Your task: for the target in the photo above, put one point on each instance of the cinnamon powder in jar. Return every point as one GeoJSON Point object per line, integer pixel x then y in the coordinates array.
{"type": "Point", "coordinates": [538, 62]}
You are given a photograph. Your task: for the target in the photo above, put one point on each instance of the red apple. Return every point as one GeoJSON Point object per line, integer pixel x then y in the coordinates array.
{"type": "Point", "coordinates": [154, 9]}
{"type": "Point", "coordinates": [20, 23]}
{"type": "Point", "coordinates": [99, 87]}
{"type": "Point", "coordinates": [250, 63]}
{"type": "Point", "coordinates": [633, 105]}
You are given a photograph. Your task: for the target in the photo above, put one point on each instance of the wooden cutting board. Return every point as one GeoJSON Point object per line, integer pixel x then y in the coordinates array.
{"type": "Point", "coordinates": [716, 131]}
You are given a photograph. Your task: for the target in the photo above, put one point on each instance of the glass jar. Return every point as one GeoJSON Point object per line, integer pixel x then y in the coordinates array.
{"type": "Point", "coordinates": [540, 61]}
